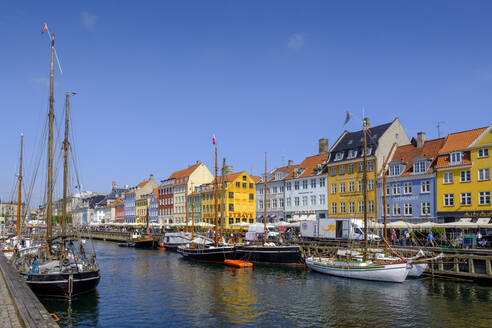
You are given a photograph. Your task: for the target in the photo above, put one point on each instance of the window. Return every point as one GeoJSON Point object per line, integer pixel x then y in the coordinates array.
{"type": "Point", "coordinates": [465, 176]}
{"type": "Point", "coordinates": [351, 207]}
{"type": "Point", "coordinates": [304, 184]}
{"type": "Point", "coordinates": [396, 209]}
{"type": "Point", "coordinates": [420, 167]}
{"type": "Point", "coordinates": [274, 203]}
{"type": "Point", "coordinates": [408, 209]}
{"type": "Point", "coordinates": [352, 153]}
{"type": "Point", "coordinates": [483, 152]}
{"type": "Point", "coordinates": [484, 198]}
{"type": "Point", "coordinates": [466, 198]}
{"type": "Point", "coordinates": [322, 182]}
{"type": "Point", "coordinates": [251, 185]}
{"type": "Point", "coordinates": [396, 189]}
{"type": "Point", "coordinates": [361, 206]}
{"type": "Point", "coordinates": [333, 171]}
{"type": "Point", "coordinates": [342, 207]}
{"type": "Point", "coordinates": [360, 166]}
{"type": "Point", "coordinates": [274, 189]}
{"type": "Point", "coordinates": [288, 202]}
{"type": "Point", "coordinates": [388, 190]}
{"type": "Point", "coordinates": [281, 188]}
{"type": "Point", "coordinates": [359, 185]}
{"type": "Point", "coordinates": [483, 174]}
{"type": "Point", "coordinates": [313, 200]}
{"type": "Point", "coordinates": [370, 206]}
{"type": "Point", "coordinates": [448, 199]}
{"type": "Point", "coordinates": [455, 157]}
{"type": "Point", "coordinates": [338, 156]}
{"type": "Point", "coordinates": [296, 201]}
{"type": "Point", "coordinates": [245, 185]}
{"type": "Point", "coordinates": [334, 208]}
{"type": "Point", "coordinates": [351, 186]}
{"type": "Point", "coordinates": [426, 208]}
{"type": "Point", "coordinates": [388, 213]}
{"type": "Point", "coordinates": [350, 168]}
{"type": "Point", "coordinates": [281, 202]}
{"type": "Point", "coordinates": [341, 170]}
{"type": "Point", "coordinates": [304, 200]}
{"type": "Point", "coordinates": [447, 178]}
{"type": "Point", "coordinates": [370, 166]}
{"type": "Point", "coordinates": [333, 188]}
{"type": "Point", "coordinates": [370, 185]}
{"type": "Point", "coordinates": [251, 196]}
{"type": "Point", "coordinates": [313, 183]}
{"type": "Point", "coordinates": [288, 186]}
{"type": "Point", "coordinates": [268, 203]}
{"type": "Point", "coordinates": [342, 187]}
{"type": "Point", "coordinates": [244, 178]}
{"type": "Point", "coordinates": [231, 194]}
{"type": "Point", "coordinates": [407, 188]}
{"type": "Point", "coordinates": [394, 170]}
{"type": "Point", "coordinates": [369, 149]}
{"type": "Point", "coordinates": [321, 199]}
{"type": "Point", "coordinates": [425, 186]}
{"type": "Point", "coordinates": [296, 185]}
{"type": "Point", "coordinates": [231, 207]}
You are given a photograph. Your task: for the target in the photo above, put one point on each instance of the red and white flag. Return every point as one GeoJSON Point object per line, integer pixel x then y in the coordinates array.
{"type": "Point", "coordinates": [213, 139]}
{"type": "Point", "coordinates": [45, 27]}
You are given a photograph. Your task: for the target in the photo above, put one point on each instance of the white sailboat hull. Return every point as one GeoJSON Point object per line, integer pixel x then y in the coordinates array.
{"type": "Point", "coordinates": [390, 272]}
{"type": "Point", "coordinates": [416, 270]}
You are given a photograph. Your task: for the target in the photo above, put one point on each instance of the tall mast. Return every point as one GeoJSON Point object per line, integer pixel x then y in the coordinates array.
{"type": "Point", "coordinates": [19, 196]}
{"type": "Point", "coordinates": [265, 196]}
{"type": "Point", "coordinates": [384, 213]}
{"type": "Point", "coordinates": [216, 195]}
{"type": "Point", "coordinates": [186, 206]}
{"type": "Point", "coordinates": [192, 214]}
{"type": "Point", "coordinates": [51, 117]}
{"type": "Point", "coordinates": [65, 163]}
{"type": "Point", "coordinates": [364, 185]}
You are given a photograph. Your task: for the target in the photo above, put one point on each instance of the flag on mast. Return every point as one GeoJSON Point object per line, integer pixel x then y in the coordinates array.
{"type": "Point", "coordinates": [348, 116]}
{"type": "Point", "coordinates": [213, 139]}
{"type": "Point", "coordinates": [45, 27]}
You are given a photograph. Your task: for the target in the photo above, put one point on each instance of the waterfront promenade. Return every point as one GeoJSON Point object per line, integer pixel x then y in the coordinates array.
{"type": "Point", "coordinates": [19, 307]}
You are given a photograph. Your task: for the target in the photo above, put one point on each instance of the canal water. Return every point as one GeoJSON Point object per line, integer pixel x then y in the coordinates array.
{"type": "Point", "coordinates": [156, 288]}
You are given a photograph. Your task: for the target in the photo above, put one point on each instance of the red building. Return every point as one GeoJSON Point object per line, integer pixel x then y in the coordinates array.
{"type": "Point", "coordinates": [166, 193]}
{"type": "Point", "coordinates": [119, 205]}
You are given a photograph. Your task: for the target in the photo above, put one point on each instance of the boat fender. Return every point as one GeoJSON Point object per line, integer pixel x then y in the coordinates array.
{"type": "Point", "coordinates": [65, 262]}
{"type": "Point", "coordinates": [55, 317]}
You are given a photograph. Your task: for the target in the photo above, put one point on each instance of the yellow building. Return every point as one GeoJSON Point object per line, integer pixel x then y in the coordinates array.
{"type": "Point", "coordinates": [141, 208]}
{"type": "Point", "coordinates": [345, 168]}
{"type": "Point", "coordinates": [463, 176]}
{"type": "Point", "coordinates": [236, 202]}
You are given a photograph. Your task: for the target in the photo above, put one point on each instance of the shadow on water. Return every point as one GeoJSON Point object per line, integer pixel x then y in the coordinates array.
{"type": "Point", "coordinates": [155, 288]}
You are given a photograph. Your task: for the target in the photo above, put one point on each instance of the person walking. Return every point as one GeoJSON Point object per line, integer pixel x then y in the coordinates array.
{"type": "Point", "coordinates": [430, 239]}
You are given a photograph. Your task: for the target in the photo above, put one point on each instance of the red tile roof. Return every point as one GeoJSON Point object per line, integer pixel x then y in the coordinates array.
{"type": "Point", "coordinates": [229, 177]}
{"type": "Point", "coordinates": [408, 153]}
{"type": "Point", "coordinates": [460, 140]}
{"type": "Point", "coordinates": [184, 174]}
{"type": "Point", "coordinates": [309, 164]}
{"type": "Point", "coordinates": [443, 161]}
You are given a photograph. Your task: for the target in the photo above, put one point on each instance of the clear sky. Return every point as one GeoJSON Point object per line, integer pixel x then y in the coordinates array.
{"type": "Point", "coordinates": [157, 78]}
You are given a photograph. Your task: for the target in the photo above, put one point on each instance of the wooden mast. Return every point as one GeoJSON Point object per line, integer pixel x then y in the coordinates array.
{"type": "Point", "coordinates": [19, 196]}
{"type": "Point", "coordinates": [186, 206]}
{"type": "Point", "coordinates": [265, 208]}
{"type": "Point", "coordinates": [65, 163]}
{"type": "Point", "coordinates": [216, 195]}
{"type": "Point", "coordinates": [384, 213]}
{"type": "Point", "coordinates": [51, 117]}
{"type": "Point", "coordinates": [192, 214]}
{"type": "Point", "coordinates": [364, 186]}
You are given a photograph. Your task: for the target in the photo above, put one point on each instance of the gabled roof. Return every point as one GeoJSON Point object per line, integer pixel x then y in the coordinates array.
{"type": "Point", "coordinates": [229, 178]}
{"type": "Point", "coordinates": [309, 165]}
{"type": "Point", "coordinates": [461, 140]}
{"type": "Point", "coordinates": [184, 174]}
{"type": "Point", "coordinates": [408, 153]}
{"type": "Point", "coordinates": [255, 178]}
{"type": "Point", "coordinates": [355, 141]}
{"type": "Point", "coordinates": [142, 184]}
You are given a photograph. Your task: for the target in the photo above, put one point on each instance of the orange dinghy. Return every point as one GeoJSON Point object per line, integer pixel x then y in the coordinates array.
{"type": "Point", "coordinates": [238, 263]}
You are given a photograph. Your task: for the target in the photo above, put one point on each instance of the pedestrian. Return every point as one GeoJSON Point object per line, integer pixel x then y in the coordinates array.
{"type": "Point", "coordinates": [407, 238]}
{"type": "Point", "coordinates": [394, 238]}
{"type": "Point", "coordinates": [479, 237]}
{"type": "Point", "coordinates": [430, 239]}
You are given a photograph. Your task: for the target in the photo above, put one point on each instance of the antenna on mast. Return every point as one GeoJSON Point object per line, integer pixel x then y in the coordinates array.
{"type": "Point", "coordinates": [439, 128]}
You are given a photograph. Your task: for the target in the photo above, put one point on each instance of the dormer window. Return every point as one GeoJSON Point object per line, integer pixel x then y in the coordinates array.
{"type": "Point", "coordinates": [369, 151]}
{"type": "Point", "coordinates": [277, 176]}
{"type": "Point", "coordinates": [339, 156]}
{"type": "Point", "coordinates": [395, 170]}
{"type": "Point", "coordinates": [420, 167]}
{"type": "Point", "coordinates": [456, 157]}
{"type": "Point", "coordinates": [352, 153]}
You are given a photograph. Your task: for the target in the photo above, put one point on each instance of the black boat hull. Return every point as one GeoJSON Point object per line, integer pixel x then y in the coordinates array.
{"type": "Point", "coordinates": [276, 255]}
{"type": "Point", "coordinates": [213, 254]}
{"type": "Point", "coordinates": [148, 243]}
{"type": "Point", "coordinates": [56, 285]}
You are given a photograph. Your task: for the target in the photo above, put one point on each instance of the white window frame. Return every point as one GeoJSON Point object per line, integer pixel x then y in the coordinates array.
{"type": "Point", "coordinates": [483, 153]}
{"type": "Point", "coordinates": [304, 200]}
{"type": "Point", "coordinates": [352, 153]}
{"type": "Point", "coordinates": [288, 202]}
{"type": "Point", "coordinates": [448, 200]}
{"type": "Point", "coordinates": [351, 207]}
{"type": "Point", "coordinates": [466, 199]}
{"type": "Point", "coordinates": [341, 170]}
{"type": "Point", "coordinates": [313, 200]}
{"type": "Point", "coordinates": [396, 189]}
{"type": "Point", "coordinates": [484, 174]}
{"type": "Point", "coordinates": [351, 186]}
{"type": "Point", "coordinates": [396, 209]}
{"type": "Point", "coordinates": [342, 187]}
{"type": "Point", "coordinates": [338, 156]}
{"type": "Point", "coordinates": [465, 176]}
{"type": "Point", "coordinates": [334, 208]}
{"type": "Point", "coordinates": [484, 198]}
{"type": "Point", "coordinates": [343, 208]}
{"type": "Point", "coordinates": [370, 184]}
{"type": "Point", "coordinates": [425, 187]}
{"type": "Point", "coordinates": [361, 206]}
{"type": "Point", "coordinates": [350, 169]}
{"type": "Point", "coordinates": [425, 208]}
{"type": "Point", "coordinates": [456, 157]}
{"type": "Point", "coordinates": [407, 188]}
{"type": "Point", "coordinates": [371, 207]}
{"type": "Point", "coordinates": [333, 188]}
{"type": "Point", "coordinates": [447, 178]}
{"type": "Point", "coordinates": [408, 210]}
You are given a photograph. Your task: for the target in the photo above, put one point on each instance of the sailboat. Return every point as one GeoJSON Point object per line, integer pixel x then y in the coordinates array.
{"type": "Point", "coordinates": [146, 240]}
{"type": "Point", "coordinates": [268, 252]}
{"type": "Point", "coordinates": [217, 252]}
{"type": "Point", "coordinates": [60, 268]}
{"type": "Point", "coordinates": [352, 264]}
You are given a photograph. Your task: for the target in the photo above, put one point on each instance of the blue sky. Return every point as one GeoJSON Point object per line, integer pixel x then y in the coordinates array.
{"type": "Point", "coordinates": [157, 78]}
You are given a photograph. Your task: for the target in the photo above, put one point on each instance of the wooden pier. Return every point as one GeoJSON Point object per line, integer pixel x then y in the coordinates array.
{"type": "Point", "coordinates": [19, 307]}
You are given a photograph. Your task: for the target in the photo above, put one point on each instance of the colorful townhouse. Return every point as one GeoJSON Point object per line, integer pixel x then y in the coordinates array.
{"type": "Point", "coordinates": [141, 207]}
{"type": "Point", "coordinates": [130, 198]}
{"type": "Point", "coordinates": [345, 168]}
{"type": "Point", "coordinates": [166, 198]}
{"type": "Point", "coordinates": [306, 195]}
{"type": "Point", "coordinates": [195, 203]}
{"type": "Point", "coordinates": [184, 183]}
{"type": "Point", "coordinates": [463, 176]}
{"type": "Point", "coordinates": [411, 182]}
{"type": "Point", "coordinates": [119, 210]}
{"type": "Point", "coordinates": [239, 203]}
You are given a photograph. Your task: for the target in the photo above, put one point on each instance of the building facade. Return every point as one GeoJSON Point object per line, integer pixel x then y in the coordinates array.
{"type": "Point", "coordinates": [166, 201]}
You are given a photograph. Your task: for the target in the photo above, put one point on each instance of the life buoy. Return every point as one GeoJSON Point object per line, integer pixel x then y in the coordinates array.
{"type": "Point", "coordinates": [65, 262]}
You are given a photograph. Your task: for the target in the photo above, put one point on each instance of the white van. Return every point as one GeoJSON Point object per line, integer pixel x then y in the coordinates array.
{"type": "Point", "coordinates": [341, 228]}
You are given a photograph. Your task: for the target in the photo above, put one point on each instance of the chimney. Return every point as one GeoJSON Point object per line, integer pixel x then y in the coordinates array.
{"type": "Point", "coordinates": [323, 146]}
{"type": "Point", "coordinates": [420, 139]}
{"type": "Point", "coordinates": [227, 170]}
{"type": "Point", "coordinates": [151, 177]}
{"type": "Point", "coordinates": [367, 124]}
{"type": "Point", "coordinates": [290, 163]}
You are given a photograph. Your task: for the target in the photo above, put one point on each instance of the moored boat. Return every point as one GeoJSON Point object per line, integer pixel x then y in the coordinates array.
{"type": "Point", "coordinates": [271, 254]}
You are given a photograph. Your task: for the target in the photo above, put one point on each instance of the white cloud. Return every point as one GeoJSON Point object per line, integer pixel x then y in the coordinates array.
{"type": "Point", "coordinates": [296, 41]}
{"type": "Point", "coordinates": [88, 20]}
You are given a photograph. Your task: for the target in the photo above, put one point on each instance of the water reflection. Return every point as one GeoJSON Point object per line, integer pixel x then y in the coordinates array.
{"type": "Point", "coordinates": [154, 288]}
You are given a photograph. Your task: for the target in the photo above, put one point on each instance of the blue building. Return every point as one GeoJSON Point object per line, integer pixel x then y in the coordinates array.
{"type": "Point", "coordinates": [130, 208]}
{"type": "Point", "coordinates": [411, 182]}
{"type": "Point", "coordinates": [153, 207]}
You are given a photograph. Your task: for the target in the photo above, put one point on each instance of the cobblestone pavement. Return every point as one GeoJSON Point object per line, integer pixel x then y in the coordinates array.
{"type": "Point", "coordinates": [8, 313]}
